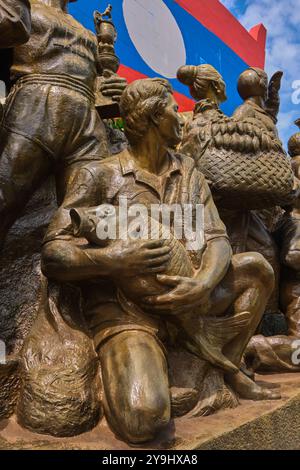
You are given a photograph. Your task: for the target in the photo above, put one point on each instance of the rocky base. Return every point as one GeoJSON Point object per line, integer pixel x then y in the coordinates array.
{"type": "Point", "coordinates": [256, 426]}
{"type": "Point", "coordinates": [271, 424]}
{"type": "Point", "coordinates": [20, 274]}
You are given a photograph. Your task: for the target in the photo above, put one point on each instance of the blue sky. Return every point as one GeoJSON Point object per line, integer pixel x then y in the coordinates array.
{"type": "Point", "coordinates": [282, 19]}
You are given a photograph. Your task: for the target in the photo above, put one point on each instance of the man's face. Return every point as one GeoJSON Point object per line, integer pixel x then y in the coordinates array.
{"type": "Point", "coordinates": [171, 124]}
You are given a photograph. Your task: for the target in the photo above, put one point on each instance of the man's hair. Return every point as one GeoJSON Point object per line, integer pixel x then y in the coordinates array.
{"type": "Point", "coordinates": [250, 81]}
{"type": "Point", "coordinates": [141, 100]}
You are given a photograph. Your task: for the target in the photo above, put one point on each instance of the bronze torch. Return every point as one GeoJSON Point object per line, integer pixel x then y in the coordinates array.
{"type": "Point", "coordinates": [108, 61]}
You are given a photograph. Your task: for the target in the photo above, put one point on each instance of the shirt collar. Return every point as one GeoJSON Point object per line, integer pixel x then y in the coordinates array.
{"type": "Point", "coordinates": [129, 165]}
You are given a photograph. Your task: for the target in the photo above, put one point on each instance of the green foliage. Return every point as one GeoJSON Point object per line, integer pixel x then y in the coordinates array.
{"type": "Point", "coordinates": [117, 123]}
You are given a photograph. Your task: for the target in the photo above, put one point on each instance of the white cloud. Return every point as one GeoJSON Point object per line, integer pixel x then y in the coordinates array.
{"type": "Point", "coordinates": [282, 20]}
{"type": "Point", "coordinates": [286, 124]}
{"type": "Point", "coordinates": [229, 3]}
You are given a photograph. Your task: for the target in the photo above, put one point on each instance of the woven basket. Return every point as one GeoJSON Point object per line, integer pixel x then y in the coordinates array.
{"type": "Point", "coordinates": [248, 181]}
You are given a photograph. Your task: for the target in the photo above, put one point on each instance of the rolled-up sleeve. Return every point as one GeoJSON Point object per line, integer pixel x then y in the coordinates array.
{"type": "Point", "coordinates": [82, 192]}
{"type": "Point", "coordinates": [15, 22]}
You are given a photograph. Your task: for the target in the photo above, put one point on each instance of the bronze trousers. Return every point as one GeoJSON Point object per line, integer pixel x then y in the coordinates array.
{"type": "Point", "coordinates": [50, 124]}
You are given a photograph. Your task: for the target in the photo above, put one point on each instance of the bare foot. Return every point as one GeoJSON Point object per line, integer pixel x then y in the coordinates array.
{"type": "Point", "coordinates": [248, 372]}
{"type": "Point", "coordinates": [249, 390]}
{"type": "Point", "coordinates": [269, 385]}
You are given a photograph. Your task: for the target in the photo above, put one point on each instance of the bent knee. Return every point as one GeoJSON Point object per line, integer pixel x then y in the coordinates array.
{"type": "Point", "coordinates": [137, 396]}
{"type": "Point", "coordinates": [256, 267]}
{"type": "Point", "coordinates": [147, 424]}
{"type": "Point", "coordinates": [142, 424]}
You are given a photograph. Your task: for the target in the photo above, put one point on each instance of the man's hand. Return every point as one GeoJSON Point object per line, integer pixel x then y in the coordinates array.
{"type": "Point", "coordinates": [113, 87]}
{"type": "Point", "coordinates": [187, 294]}
{"type": "Point", "coordinates": [275, 83]}
{"type": "Point", "coordinates": [273, 101]}
{"type": "Point", "coordinates": [134, 258]}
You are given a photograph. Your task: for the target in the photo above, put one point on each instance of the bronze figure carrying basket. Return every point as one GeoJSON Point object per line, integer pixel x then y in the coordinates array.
{"type": "Point", "coordinates": [246, 167]}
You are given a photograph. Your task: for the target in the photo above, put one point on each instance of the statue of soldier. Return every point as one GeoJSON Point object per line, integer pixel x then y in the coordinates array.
{"type": "Point", "coordinates": [148, 173]}
{"type": "Point", "coordinates": [50, 121]}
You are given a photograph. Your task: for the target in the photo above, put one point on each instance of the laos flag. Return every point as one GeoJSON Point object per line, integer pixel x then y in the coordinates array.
{"type": "Point", "coordinates": [156, 37]}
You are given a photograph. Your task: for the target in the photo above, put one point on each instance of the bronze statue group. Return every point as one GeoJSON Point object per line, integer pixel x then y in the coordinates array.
{"type": "Point", "coordinates": [113, 316]}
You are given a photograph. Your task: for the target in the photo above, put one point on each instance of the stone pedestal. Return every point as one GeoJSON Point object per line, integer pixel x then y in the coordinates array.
{"type": "Point", "coordinates": [271, 425]}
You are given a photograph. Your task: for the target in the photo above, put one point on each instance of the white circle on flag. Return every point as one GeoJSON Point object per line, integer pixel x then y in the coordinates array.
{"type": "Point", "coordinates": [156, 35]}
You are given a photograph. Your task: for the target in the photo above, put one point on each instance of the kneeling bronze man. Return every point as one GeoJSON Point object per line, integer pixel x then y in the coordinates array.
{"type": "Point", "coordinates": [15, 22]}
{"type": "Point", "coordinates": [130, 336]}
